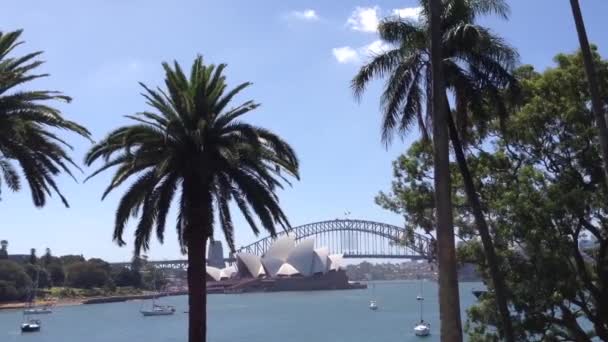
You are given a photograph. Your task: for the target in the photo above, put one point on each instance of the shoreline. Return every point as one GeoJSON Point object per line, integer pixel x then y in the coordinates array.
{"type": "Point", "coordinates": [88, 301]}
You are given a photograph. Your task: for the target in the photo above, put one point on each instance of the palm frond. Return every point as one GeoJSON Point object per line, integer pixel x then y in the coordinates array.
{"type": "Point", "coordinates": [191, 141]}
{"type": "Point", "coordinates": [26, 124]}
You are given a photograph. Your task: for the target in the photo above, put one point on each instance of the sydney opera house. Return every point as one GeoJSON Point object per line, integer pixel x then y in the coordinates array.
{"type": "Point", "coordinates": [286, 266]}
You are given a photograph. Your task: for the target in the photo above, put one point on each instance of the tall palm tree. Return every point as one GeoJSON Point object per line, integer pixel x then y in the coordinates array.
{"type": "Point", "coordinates": [28, 126]}
{"type": "Point", "coordinates": [474, 62]}
{"type": "Point", "coordinates": [195, 142]}
{"type": "Point", "coordinates": [449, 299]}
{"type": "Point", "coordinates": [594, 90]}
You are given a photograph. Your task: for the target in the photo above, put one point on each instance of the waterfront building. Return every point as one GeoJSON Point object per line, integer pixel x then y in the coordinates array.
{"type": "Point", "coordinates": [286, 265]}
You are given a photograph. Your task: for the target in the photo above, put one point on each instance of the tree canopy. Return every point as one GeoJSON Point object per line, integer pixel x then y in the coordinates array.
{"type": "Point", "coordinates": [29, 125]}
{"type": "Point", "coordinates": [540, 176]}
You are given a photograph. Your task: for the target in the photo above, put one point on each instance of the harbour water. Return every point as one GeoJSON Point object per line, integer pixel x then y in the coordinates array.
{"type": "Point", "coordinates": [321, 316]}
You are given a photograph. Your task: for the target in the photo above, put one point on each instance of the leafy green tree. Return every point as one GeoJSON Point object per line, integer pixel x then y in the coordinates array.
{"type": "Point", "coordinates": [138, 263]}
{"type": "Point", "coordinates": [127, 277]}
{"type": "Point", "coordinates": [71, 259]}
{"type": "Point", "coordinates": [3, 250]}
{"type": "Point", "coordinates": [14, 277]}
{"type": "Point", "coordinates": [47, 258]}
{"type": "Point", "coordinates": [101, 264]}
{"type": "Point", "coordinates": [596, 100]}
{"type": "Point", "coordinates": [56, 273]}
{"type": "Point", "coordinates": [8, 291]}
{"type": "Point", "coordinates": [193, 141]}
{"type": "Point", "coordinates": [476, 66]}
{"type": "Point", "coordinates": [154, 279]}
{"type": "Point", "coordinates": [86, 275]}
{"type": "Point", "coordinates": [542, 181]}
{"type": "Point", "coordinates": [28, 126]}
{"type": "Point", "coordinates": [553, 194]}
{"type": "Point", "coordinates": [33, 259]}
{"type": "Point", "coordinates": [38, 275]}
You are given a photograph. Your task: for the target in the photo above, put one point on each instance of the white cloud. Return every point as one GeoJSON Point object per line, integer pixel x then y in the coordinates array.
{"type": "Point", "coordinates": [306, 15]}
{"type": "Point", "coordinates": [345, 54]}
{"type": "Point", "coordinates": [412, 13]}
{"type": "Point", "coordinates": [120, 73]}
{"type": "Point", "coordinates": [364, 19]}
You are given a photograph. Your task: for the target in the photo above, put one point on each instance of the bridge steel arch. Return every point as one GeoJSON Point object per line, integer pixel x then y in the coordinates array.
{"type": "Point", "coordinates": [417, 246]}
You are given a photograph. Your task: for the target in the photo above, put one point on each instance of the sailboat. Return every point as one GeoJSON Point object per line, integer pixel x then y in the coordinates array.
{"type": "Point", "coordinates": [157, 309]}
{"type": "Point", "coordinates": [28, 324]}
{"type": "Point", "coordinates": [373, 305]}
{"type": "Point", "coordinates": [421, 328]}
{"type": "Point", "coordinates": [31, 308]}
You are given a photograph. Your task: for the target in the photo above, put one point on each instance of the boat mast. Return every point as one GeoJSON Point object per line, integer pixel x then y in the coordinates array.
{"type": "Point", "coordinates": [421, 300]}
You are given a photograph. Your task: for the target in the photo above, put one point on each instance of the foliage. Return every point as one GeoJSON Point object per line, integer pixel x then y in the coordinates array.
{"type": "Point", "coordinates": [101, 264]}
{"type": "Point", "coordinates": [15, 281]}
{"type": "Point", "coordinates": [39, 275]}
{"type": "Point", "coordinates": [475, 61]}
{"type": "Point", "coordinates": [86, 275]}
{"type": "Point", "coordinates": [138, 262]}
{"type": "Point", "coordinates": [127, 277]}
{"type": "Point", "coordinates": [476, 66]}
{"type": "Point", "coordinates": [154, 279]}
{"type": "Point", "coordinates": [554, 196]}
{"type": "Point", "coordinates": [194, 140]}
{"type": "Point", "coordinates": [193, 137]}
{"type": "Point", "coordinates": [57, 273]}
{"type": "Point", "coordinates": [8, 291]}
{"type": "Point", "coordinates": [540, 176]}
{"type": "Point", "coordinates": [33, 259]}
{"type": "Point", "coordinates": [48, 258]}
{"type": "Point", "coordinates": [27, 126]}
{"type": "Point", "coordinates": [67, 260]}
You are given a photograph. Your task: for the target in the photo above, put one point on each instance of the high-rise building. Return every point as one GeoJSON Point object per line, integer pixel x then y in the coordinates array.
{"type": "Point", "coordinates": [215, 256]}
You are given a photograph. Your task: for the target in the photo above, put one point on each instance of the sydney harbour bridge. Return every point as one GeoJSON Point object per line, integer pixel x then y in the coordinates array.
{"type": "Point", "coordinates": [352, 238]}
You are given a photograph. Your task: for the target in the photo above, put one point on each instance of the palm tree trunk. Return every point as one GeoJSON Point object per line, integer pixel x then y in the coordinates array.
{"type": "Point", "coordinates": [449, 301]}
{"type": "Point", "coordinates": [596, 100]}
{"type": "Point", "coordinates": [484, 231]}
{"type": "Point", "coordinates": [199, 221]}
{"type": "Point", "coordinates": [197, 290]}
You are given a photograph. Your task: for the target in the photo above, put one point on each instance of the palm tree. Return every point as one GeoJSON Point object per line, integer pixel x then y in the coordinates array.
{"type": "Point", "coordinates": [476, 66]}
{"type": "Point", "coordinates": [449, 299]}
{"type": "Point", "coordinates": [195, 142]}
{"type": "Point", "coordinates": [596, 100]}
{"type": "Point", "coordinates": [28, 126]}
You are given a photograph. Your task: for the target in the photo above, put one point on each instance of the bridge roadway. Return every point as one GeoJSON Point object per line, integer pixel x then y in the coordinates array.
{"type": "Point", "coordinates": [359, 239]}
{"type": "Point", "coordinates": [182, 264]}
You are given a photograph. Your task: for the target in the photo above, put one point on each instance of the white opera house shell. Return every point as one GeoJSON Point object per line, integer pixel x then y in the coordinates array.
{"type": "Point", "coordinates": [283, 259]}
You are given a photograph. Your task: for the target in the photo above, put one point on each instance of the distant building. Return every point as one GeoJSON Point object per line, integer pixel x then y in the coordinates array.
{"type": "Point", "coordinates": [215, 257]}
{"type": "Point", "coordinates": [21, 258]}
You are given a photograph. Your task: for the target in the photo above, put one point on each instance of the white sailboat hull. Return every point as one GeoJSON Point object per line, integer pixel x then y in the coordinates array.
{"type": "Point", "coordinates": [157, 312]}
{"type": "Point", "coordinates": [31, 326]}
{"type": "Point", "coordinates": [37, 311]}
{"type": "Point", "coordinates": [422, 330]}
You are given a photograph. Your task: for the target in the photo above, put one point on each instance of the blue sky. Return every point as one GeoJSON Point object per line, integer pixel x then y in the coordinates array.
{"type": "Point", "coordinates": [300, 55]}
